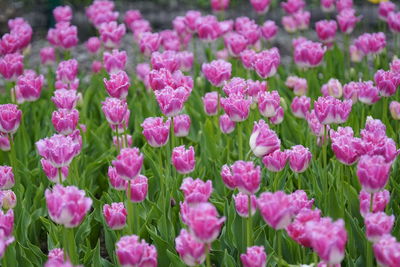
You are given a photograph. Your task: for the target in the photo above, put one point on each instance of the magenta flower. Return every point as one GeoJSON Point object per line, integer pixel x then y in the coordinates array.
{"type": "Point", "coordinates": [138, 188]}
{"type": "Point", "coordinates": [237, 86]}
{"type": "Point", "coordinates": [268, 103]}
{"type": "Point", "coordinates": [345, 148]}
{"type": "Point", "coordinates": [300, 106]}
{"type": "Point", "coordinates": [67, 205]}
{"type": "Point", "coordinates": [66, 74]}
{"type": "Point", "coordinates": [29, 86]}
{"type": "Point", "coordinates": [377, 225]}
{"type": "Point", "coordinates": [115, 61]}
{"type": "Point", "coordinates": [226, 125]}
{"type": "Point", "coordinates": [65, 99]}
{"type": "Point", "coordinates": [266, 62]}
{"type": "Point", "coordinates": [227, 177]}
{"type": "Point", "coordinates": [208, 28]}
{"type": "Point", "coordinates": [368, 93]}
{"type": "Point", "coordinates": [385, 8]}
{"type": "Point", "coordinates": [246, 176]}
{"type": "Point", "coordinates": [387, 82]}
{"type": "Point", "coordinates": [10, 118]}
{"type": "Point", "coordinates": [8, 199]}
{"type": "Point", "coordinates": [131, 16]}
{"type": "Point", "coordinates": [149, 43]}
{"type": "Point", "coordinates": [11, 66]}
{"type": "Point", "coordinates": [276, 209]}
{"type": "Point", "coordinates": [300, 201]}
{"type": "Point", "coordinates": [297, 229]}
{"type": "Point", "coordinates": [260, 6]}
{"type": "Point", "coordinates": [47, 55]}
{"type": "Point", "coordinates": [219, 5]}
{"type": "Point", "coordinates": [128, 163]}
{"type": "Point", "coordinates": [181, 125]}
{"type": "Point", "coordinates": [385, 251]}
{"type": "Point", "coordinates": [309, 54]}
{"type": "Point", "coordinates": [116, 181]}
{"type": "Point", "coordinates": [299, 85]}
{"type": "Point", "coordinates": [278, 118]}
{"type": "Point", "coordinates": [167, 60]}
{"type": "Point", "coordinates": [210, 102]}
{"type": "Point", "coordinates": [247, 57]}
{"type": "Point", "coordinates": [237, 107]}
{"type": "Point", "coordinates": [327, 5]}
{"type": "Point", "coordinates": [331, 110]}
{"type": "Point", "coordinates": [347, 20]}
{"type": "Point", "coordinates": [183, 160]}
{"type": "Point", "coordinates": [118, 85]}
{"type": "Point", "coordinates": [6, 177]}
{"type": "Point", "coordinates": [217, 71]}
{"type": "Point", "coordinates": [52, 172]}
{"type": "Point", "coordinates": [293, 6]}
{"type": "Point", "coordinates": [111, 34]}
{"type": "Point", "coordinates": [263, 140]}
{"type": "Point", "coordinates": [276, 161]}
{"type": "Point", "coordinates": [171, 100]}
{"type": "Point", "coordinates": [269, 30]}
{"type": "Point", "coordinates": [65, 121]}
{"type": "Point", "coordinates": [235, 43]}
{"type": "Point", "coordinates": [191, 251]}
{"type": "Point", "coordinates": [393, 22]}
{"type": "Point", "coordinates": [196, 191]}
{"type": "Point", "coordinates": [9, 43]}
{"type": "Point", "coordinates": [395, 110]}
{"type": "Point", "coordinates": [289, 23]}
{"type": "Point", "coordinates": [62, 13]}
{"type": "Point", "coordinates": [4, 142]}
{"type": "Point", "coordinates": [302, 19]}
{"type": "Point", "coordinates": [299, 158]}
{"type": "Point", "coordinates": [115, 215]}
{"type": "Point", "coordinates": [133, 252]}
{"type": "Point", "coordinates": [93, 45]}
{"type": "Point", "coordinates": [326, 30]}
{"type": "Point", "coordinates": [373, 173]}
{"type": "Point", "coordinates": [97, 66]}
{"type": "Point", "coordinates": [254, 88]}
{"type": "Point", "coordinates": [255, 257]}
{"type": "Point", "coordinates": [115, 110]}
{"type": "Point", "coordinates": [380, 201]}
{"type": "Point", "coordinates": [242, 204]}
{"type": "Point", "coordinates": [64, 35]}
{"type": "Point", "coordinates": [156, 131]}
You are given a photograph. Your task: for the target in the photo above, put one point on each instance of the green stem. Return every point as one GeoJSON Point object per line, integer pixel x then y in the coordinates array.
{"type": "Point", "coordinates": [385, 109]}
{"type": "Point", "coordinates": [117, 135]}
{"type": "Point", "coordinates": [59, 176]}
{"type": "Point", "coordinates": [370, 258]}
{"type": "Point", "coordinates": [126, 136]}
{"type": "Point", "coordinates": [130, 208]}
{"type": "Point", "coordinates": [240, 140]}
{"type": "Point", "coordinates": [279, 247]}
{"type": "Point", "coordinates": [4, 260]}
{"type": "Point", "coordinates": [371, 202]}
{"type": "Point", "coordinates": [70, 245]}
{"type": "Point", "coordinates": [249, 224]}
{"type": "Point", "coordinates": [208, 260]}
{"type": "Point", "coordinates": [324, 148]}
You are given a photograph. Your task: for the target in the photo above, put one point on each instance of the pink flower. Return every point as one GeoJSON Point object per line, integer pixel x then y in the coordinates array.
{"type": "Point", "coordinates": [204, 223]}
{"type": "Point", "coordinates": [328, 239]}
{"type": "Point", "coordinates": [237, 86]}
{"type": "Point", "coordinates": [237, 107]}
{"type": "Point", "coordinates": [170, 40]}
{"type": "Point", "coordinates": [208, 28]}
{"type": "Point", "coordinates": [118, 85]}
{"type": "Point", "coordinates": [142, 71]}
{"type": "Point", "coordinates": [4, 142]}
{"type": "Point", "coordinates": [300, 201]}
{"type": "Point", "coordinates": [128, 163]}
{"type": "Point", "coordinates": [371, 43]}
{"type": "Point", "coordinates": [29, 86]}
{"type": "Point", "coordinates": [313, 123]}
{"type": "Point", "coordinates": [299, 85]}
{"type": "Point", "coordinates": [116, 181]}
{"type": "Point", "coordinates": [268, 103]}
{"type": "Point", "coordinates": [344, 4]}
{"type": "Point", "coordinates": [191, 251]}
{"type": "Point", "coordinates": [263, 141]}
{"type": "Point", "coordinates": [55, 255]}
{"type": "Point", "coordinates": [327, 5]}
{"type": "Point", "coordinates": [387, 82]}
{"type": "Point", "coordinates": [62, 13]}
{"type": "Point", "coordinates": [65, 99]}
{"type": "Point", "coordinates": [275, 209]}
{"type": "Point", "coordinates": [293, 6]}
{"type": "Point", "coordinates": [297, 229]}
{"type": "Point", "coordinates": [131, 252]}
{"type": "Point", "coordinates": [373, 173]}
{"type": "Point", "coordinates": [149, 43]}
{"type": "Point", "coordinates": [386, 251]}
{"type": "Point", "coordinates": [395, 110]}
{"type": "Point", "coordinates": [59, 150]}
{"type": "Point", "coordinates": [302, 19]}
{"type": "Point", "coordinates": [309, 54]}
{"type": "Point", "coordinates": [115, 61]}
{"type": "Point", "coordinates": [355, 54]}
{"type": "Point", "coordinates": [235, 43]}
{"type": "Point", "coordinates": [6, 177]}
{"type": "Point", "coordinates": [289, 24]}
{"type": "Point", "coordinates": [276, 161]}
{"type": "Point", "coordinates": [326, 30]}
{"type": "Point", "coordinates": [66, 73]}
{"type": "Point", "coordinates": [210, 102]}
{"type": "Point", "coordinates": [368, 93]}
{"type": "Point", "coordinates": [47, 55]}
{"type": "Point", "coordinates": [227, 177]}
{"type": "Point", "coordinates": [226, 125]}
{"type": "Point", "coordinates": [191, 18]}
{"type": "Point", "coordinates": [345, 148]}
{"type": "Point", "coordinates": [278, 118]}
{"type": "Point", "coordinates": [266, 62]}
{"type": "Point", "coordinates": [394, 22]}
{"type": "Point", "coordinates": [8, 199]}
{"type": "Point", "coordinates": [67, 205]}
{"type": "Point", "coordinates": [219, 5]}
{"type": "Point", "coordinates": [246, 176]}
{"type": "Point", "coordinates": [255, 257]}
{"type": "Point", "coordinates": [181, 125]}
{"type": "Point", "coordinates": [52, 172]}
{"type": "Point", "coordinates": [11, 66]}
{"type": "Point", "coordinates": [217, 71]}
{"type": "Point", "coordinates": [64, 35]}
{"type": "Point", "coordinates": [347, 20]}
{"type": "Point", "coordinates": [24, 33]}
{"type": "Point", "coordinates": [138, 188]}
{"type": "Point", "coordinates": [196, 191]}
{"type": "Point", "coordinates": [299, 158]}
{"type": "Point", "coordinates": [185, 59]}
{"type": "Point", "coordinates": [247, 57]}
{"type": "Point", "coordinates": [300, 106]}
{"type": "Point", "coordinates": [6, 226]}
{"type": "Point", "coordinates": [65, 121]}
{"type": "Point", "coordinates": [331, 110]}
{"type": "Point", "coordinates": [115, 215]}
{"type": "Point", "coordinates": [332, 88]}
{"type": "Point", "coordinates": [183, 160]}
{"type": "Point", "coordinates": [131, 16]}
{"type": "Point", "coordinates": [97, 66]}
{"type": "Point", "coordinates": [171, 100]}
{"type": "Point", "coordinates": [380, 201]}
{"type": "Point", "coordinates": [9, 43]}
{"type": "Point", "coordinates": [377, 225]}
{"type": "Point", "coordinates": [260, 6]}
{"type": "Point", "coordinates": [156, 131]}
{"type": "Point", "coordinates": [395, 66]}
{"type": "Point", "coordinates": [111, 34]}
{"type": "Point", "coordinates": [10, 118]}
{"type": "Point", "coordinates": [242, 204]}
{"type": "Point", "coordinates": [93, 45]}
{"type": "Point", "coordinates": [269, 30]}
{"type": "Point", "coordinates": [385, 8]}
{"type": "Point", "coordinates": [254, 88]}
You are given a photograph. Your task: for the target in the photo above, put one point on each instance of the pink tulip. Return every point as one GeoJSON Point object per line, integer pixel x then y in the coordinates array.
{"type": "Point", "coordinates": [118, 85]}
{"type": "Point", "coordinates": [395, 110]}
{"type": "Point", "coordinates": [380, 201]}
{"type": "Point", "coordinates": [278, 118]}
{"type": "Point", "coordinates": [62, 13]}
{"type": "Point", "coordinates": [385, 8]}
{"type": "Point", "coordinates": [378, 225]}
{"type": "Point", "coordinates": [93, 45]}
{"type": "Point", "coordinates": [254, 88]}
{"type": "Point", "coordinates": [236, 86]}
{"type": "Point", "coordinates": [247, 57]}
{"type": "Point", "coordinates": [345, 149]}
{"type": "Point", "coordinates": [217, 71]}
{"type": "Point", "coordinates": [29, 86]}
{"type": "Point", "coordinates": [300, 201]}
{"type": "Point", "coordinates": [309, 54]}
{"type": "Point", "coordinates": [115, 61]}
{"type": "Point", "coordinates": [268, 103]}
{"type": "Point", "coordinates": [297, 229]}
{"type": "Point", "coordinates": [300, 106]}
{"type": "Point", "coordinates": [247, 177]}
{"type": "Point", "coordinates": [387, 82]}
{"type": "Point", "coordinates": [208, 28]}
{"type": "Point", "coordinates": [67, 205]}
{"type": "Point", "coordinates": [394, 22]}
{"type": "Point", "coordinates": [128, 163]}
{"type": "Point", "coordinates": [237, 107]}
{"type": "Point", "coordinates": [328, 239]}
{"type": "Point", "coordinates": [347, 20]}
{"type": "Point", "coordinates": [289, 23]}
{"type": "Point", "coordinates": [330, 110]}
{"type": "Point", "coordinates": [371, 43]}
{"type": "Point", "coordinates": [191, 251]}
{"type": "Point", "coordinates": [53, 173]}
{"type": "Point", "coordinates": [7, 225]}
{"type": "Point", "coordinates": [115, 215]}
{"type": "Point", "coordinates": [183, 160]}
{"type": "Point", "coordinates": [149, 43]}
{"type": "Point", "coordinates": [299, 85]}
{"type": "Point", "coordinates": [170, 40]}
{"type": "Point", "coordinates": [181, 125]}
{"type": "Point", "coordinates": [242, 204]}
{"type": "Point", "coordinates": [65, 121]}
{"type": "Point", "coordinates": [332, 88]}
{"type": "Point", "coordinates": [132, 16]}
{"type": "Point", "coordinates": [373, 173]}
{"type": "Point", "coordinates": [275, 209]}
{"type": "Point", "coordinates": [9, 43]}
{"type": "Point", "coordinates": [266, 62]}
{"type": "Point", "coordinates": [4, 142]}
{"type": "Point", "coordinates": [160, 79]}
{"type": "Point", "coordinates": [191, 18]}
{"type": "Point", "coordinates": [138, 27]}
{"type": "Point", "coordinates": [260, 6]}
{"type": "Point", "coordinates": [11, 66]}
{"type": "Point", "coordinates": [299, 158]}
{"type": "Point", "coordinates": [66, 74]}
{"type": "Point", "coordinates": [210, 102]}
{"type": "Point", "coordinates": [64, 35]}
{"type": "Point", "coordinates": [326, 30]}
{"type": "Point", "coordinates": [55, 255]}
{"type": "Point", "coordinates": [386, 251]}
{"type": "Point", "coordinates": [368, 93]}
{"type": "Point", "coordinates": [276, 161]}
{"type": "Point", "coordinates": [302, 19]}
{"type": "Point", "coordinates": [196, 191]}
{"type": "Point", "coordinates": [8, 199]}
{"type": "Point", "coordinates": [138, 188]}
{"type": "Point", "coordinates": [269, 30]}
{"type": "Point", "coordinates": [10, 118]}
{"type": "Point", "coordinates": [293, 6]}
{"type": "Point", "coordinates": [315, 126]}
{"type": "Point", "coordinates": [111, 34]}
{"type": "Point", "coordinates": [142, 71]}
{"type": "Point", "coordinates": [156, 131]}
{"type": "Point", "coordinates": [24, 33]}
{"type": "Point", "coordinates": [263, 141]}
{"type": "Point", "coordinates": [395, 66]}
{"type": "Point", "coordinates": [328, 5]}
{"type": "Point", "coordinates": [6, 177]}
{"type": "Point", "coordinates": [59, 150]}
{"type": "Point", "coordinates": [171, 101]}
{"type": "Point", "coordinates": [185, 59]}
{"type": "Point", "coordinates": [351, 90]}
{"type": "Point", "coordinates": [115, 110]}
{"type": "Point", "coordinates": [97, 66]}
{"type": "Point", "coordinates": [355, 54]}
{"type": "Point", "coordinates": [226, 125]}
{"type": "Point", "coordinates": [219, 5]}
{"type": "Point", "coordinates": [47, 55]}
{"type": "Point", "coordinates": [343, 5]}
{"type": "Point", "coordinates": [227, 177]}
{"type": "Point", "coordinates": [100, 12]}
{"type": "Point", "coordinates": [255, 257]}
{"type": "Point", "coordinates": [65, 99]}
{"type": "Point", "coordinates": [235, 43]}
{"type": "Point", "coordinates": [133, 252]}
{"type": "Point", "coordinates": [204, 223]}
{"type": "Point", "coordinates": [116, 181]}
